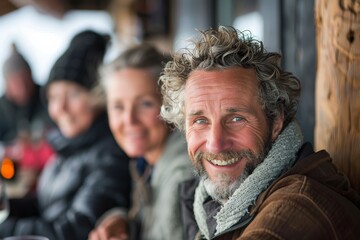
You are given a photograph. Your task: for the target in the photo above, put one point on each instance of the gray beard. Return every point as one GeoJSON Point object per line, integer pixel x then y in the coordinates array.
{"type": "Point", "coordinates": [223, 187]}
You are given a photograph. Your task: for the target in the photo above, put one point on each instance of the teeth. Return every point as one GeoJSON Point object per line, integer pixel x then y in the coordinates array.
{"type": "Point", "coordinates": [135, 135]}
{"type": "Point", "coordinates": [224, 163]}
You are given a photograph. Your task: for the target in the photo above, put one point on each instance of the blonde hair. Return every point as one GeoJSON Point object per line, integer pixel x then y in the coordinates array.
{"type": "Point", "coordinates": [144, 56]}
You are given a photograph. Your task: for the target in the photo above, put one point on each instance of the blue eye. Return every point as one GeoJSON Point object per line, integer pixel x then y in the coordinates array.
{"type": "Point", "coordinates": [200, 121]}
{"type": "Point", "coordinates": [237, 119]}
{"type": "Point", "coordinates": [147, 104]}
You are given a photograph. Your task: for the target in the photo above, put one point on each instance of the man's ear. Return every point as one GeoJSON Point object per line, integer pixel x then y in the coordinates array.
{"type": "Point", "coordinates": [277, 126]}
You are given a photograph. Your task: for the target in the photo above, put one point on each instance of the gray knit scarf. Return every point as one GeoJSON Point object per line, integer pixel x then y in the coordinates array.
{"type": "Point", "coordinates": [280, 158]}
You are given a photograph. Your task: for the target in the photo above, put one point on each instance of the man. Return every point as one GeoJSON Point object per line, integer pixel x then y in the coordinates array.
{"type": "Point", "coordinates": [20, 107]}
{"type": "Point", "coordinates": [257, 178]}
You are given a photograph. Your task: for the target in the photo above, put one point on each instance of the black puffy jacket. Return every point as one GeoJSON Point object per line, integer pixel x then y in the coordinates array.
{"type": "Point", "coordinates": [89, 176]}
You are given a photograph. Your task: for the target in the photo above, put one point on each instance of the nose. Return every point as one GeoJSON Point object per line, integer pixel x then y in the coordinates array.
{"type": "Point", "coordinates": [57, 107]}
{"type": "Point", "coordinates": [217, 140]}
{"type": "Point", "coordinates": [60, 104]}
{"type": "Point", "coordinates": [130, 116]}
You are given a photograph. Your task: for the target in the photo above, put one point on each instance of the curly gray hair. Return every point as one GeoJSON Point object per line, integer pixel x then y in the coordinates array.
{"type": "Point", "coordinates": [225, 48]}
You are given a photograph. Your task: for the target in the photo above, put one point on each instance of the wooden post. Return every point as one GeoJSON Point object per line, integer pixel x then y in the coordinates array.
{"type": "Point", "coordinates": [337, 126]}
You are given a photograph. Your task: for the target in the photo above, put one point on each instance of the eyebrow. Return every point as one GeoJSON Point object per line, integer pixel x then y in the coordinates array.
{"type": "Point", "coordinates": [228, 110]}
{"type": "Point", "coordinates": [233, 110]}
{"type": "Point", "coordinates": [196, 113]}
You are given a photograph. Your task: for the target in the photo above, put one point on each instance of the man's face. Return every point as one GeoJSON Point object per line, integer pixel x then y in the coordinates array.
{"type": "Point", "coordinates": [226, 128]}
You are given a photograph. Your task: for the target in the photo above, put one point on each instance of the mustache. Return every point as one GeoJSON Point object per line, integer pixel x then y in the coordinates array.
{"type": "Point", "coordinates": [253, 159]}
{"type": "Point", "coordinates": [225, 156]}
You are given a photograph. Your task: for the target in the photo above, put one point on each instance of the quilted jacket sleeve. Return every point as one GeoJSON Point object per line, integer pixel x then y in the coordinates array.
{"type": "Point", "coordinates": [66, 212]}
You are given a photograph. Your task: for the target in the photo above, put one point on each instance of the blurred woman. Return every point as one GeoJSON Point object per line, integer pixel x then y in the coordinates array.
{"type": "Point", "coordinates": [160, 153]}
{"type": "Point", "coordinates": [89, 174]}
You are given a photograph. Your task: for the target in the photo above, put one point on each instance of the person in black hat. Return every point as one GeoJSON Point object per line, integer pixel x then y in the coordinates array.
{"type": "Point", "coordinates": [82, 182]}
{"type": "Point", "coordinates": [20, 106]}
{"type": "Point", "coordinates": [79, 62]}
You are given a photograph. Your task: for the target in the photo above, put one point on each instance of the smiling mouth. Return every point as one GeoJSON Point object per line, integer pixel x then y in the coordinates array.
{"type": "Point", "coordinates": [224, 162]}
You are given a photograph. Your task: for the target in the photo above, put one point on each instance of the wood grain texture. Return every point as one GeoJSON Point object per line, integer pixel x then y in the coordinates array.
{"type": "Point", "coordinates": [337, 127]}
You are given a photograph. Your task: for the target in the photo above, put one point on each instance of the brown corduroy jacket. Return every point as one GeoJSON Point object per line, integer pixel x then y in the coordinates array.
{"type": "Point", "coordinates": [310, 201]}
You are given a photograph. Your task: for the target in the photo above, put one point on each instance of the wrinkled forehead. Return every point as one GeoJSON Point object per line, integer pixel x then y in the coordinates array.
{"type": "Point", "coordinates": [230, 88]}
{"type": "Point", "coordinates": [220, 81]}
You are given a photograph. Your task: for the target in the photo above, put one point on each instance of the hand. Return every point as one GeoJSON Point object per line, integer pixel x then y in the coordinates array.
{"type": "Point", "coordinates": [111, 228]}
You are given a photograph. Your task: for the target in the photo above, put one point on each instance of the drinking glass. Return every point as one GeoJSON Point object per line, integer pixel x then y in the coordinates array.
{"type": "Point", "coordinates": [4, 203]}
{"type": "Point", "coordinates": [29, 237]}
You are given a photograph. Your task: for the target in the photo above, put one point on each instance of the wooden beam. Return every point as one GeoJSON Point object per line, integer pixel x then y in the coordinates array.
{"type": "Point", "coordinates": [338, 84]}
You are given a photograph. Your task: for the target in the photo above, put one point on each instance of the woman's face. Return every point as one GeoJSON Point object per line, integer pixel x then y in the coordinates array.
{"type": "Point", "coordinates": [69, 106]}
{"type": "Point", "coordinates": [133, 104]}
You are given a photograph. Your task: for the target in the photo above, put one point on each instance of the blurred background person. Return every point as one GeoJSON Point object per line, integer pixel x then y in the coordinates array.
{"type": "Point", "coordinates": [23, 124]}
{"type": "Point", "coordinates": [20, 106]}
{"type": "Point", "coordinates": [90, 172]}
{"type": "Point", "coordinates": [160, 156]}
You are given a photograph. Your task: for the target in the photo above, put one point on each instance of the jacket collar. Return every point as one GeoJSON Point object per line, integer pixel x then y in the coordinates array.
{"type": "Point", "coordinates": [317, 166]}
{"type": "Point", "coordinates": [67, 146]}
